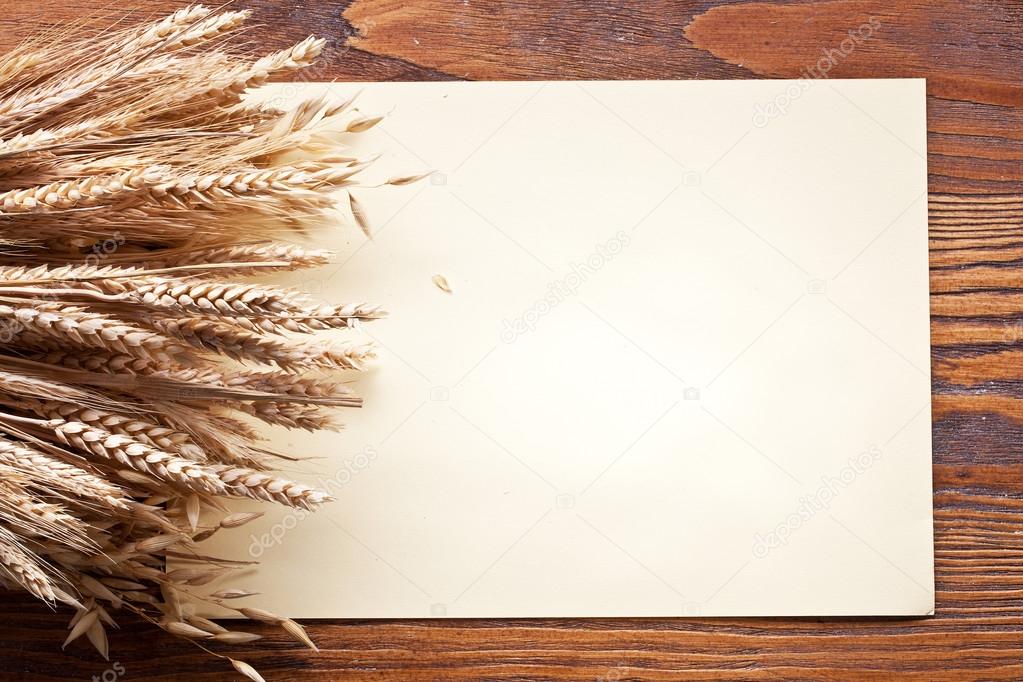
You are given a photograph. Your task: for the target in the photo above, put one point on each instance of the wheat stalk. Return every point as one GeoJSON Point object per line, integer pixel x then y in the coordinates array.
{"type": "Point", "coordinates": [136, 186]}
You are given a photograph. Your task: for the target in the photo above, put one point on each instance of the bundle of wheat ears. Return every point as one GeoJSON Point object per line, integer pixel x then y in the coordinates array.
{"type": "Point", "coordinates": [139, 188]}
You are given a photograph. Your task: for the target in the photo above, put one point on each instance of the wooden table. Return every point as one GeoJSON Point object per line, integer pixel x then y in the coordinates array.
{"type": "Point", "coordinates": [972, 55]}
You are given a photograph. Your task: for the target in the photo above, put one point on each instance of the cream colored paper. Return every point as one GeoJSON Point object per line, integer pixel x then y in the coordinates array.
{"type": "Point", "coordinates": [683, 368]}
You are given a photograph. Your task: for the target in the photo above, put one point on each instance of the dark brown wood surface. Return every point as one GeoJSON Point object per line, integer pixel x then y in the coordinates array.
{"type": "Point", "coordinates": [971, 52]}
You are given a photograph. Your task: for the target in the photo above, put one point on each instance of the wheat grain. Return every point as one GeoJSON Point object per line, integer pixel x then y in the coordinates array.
{"type": "Point", "coordinates": [142, 430]}
{"type": "Point", "coordinates": [292, 415]}
{"type": "Point", "coordinates": [50, 474]}
{"type": "Point", "coordinates": [67, 324]}
{"type": "Point", "coordinates": [263, 486]}
{"type": "Point", "coordinates": [293, 255]}
{"type": "Point", "coordinates": [134, 454]}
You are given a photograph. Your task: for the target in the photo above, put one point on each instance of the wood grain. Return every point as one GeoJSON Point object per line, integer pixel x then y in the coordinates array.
{"type": "Point", "coordinates": [972, 54]}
